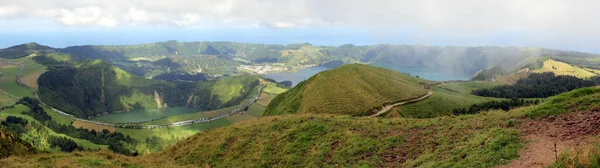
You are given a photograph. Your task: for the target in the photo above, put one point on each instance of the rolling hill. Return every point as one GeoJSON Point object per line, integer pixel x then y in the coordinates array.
{"type": "Point", "coordinates": [322, 140]}
{"type": "Point", "coordinates": [353, 89]}
{"type": "Point", "coordinates": [218, 58]}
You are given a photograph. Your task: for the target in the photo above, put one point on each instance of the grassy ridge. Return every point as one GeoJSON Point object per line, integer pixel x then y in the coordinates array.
{"type": "Point", "coordinates": [486, 139]}
{"type": "Point", "coordinates": [441, 103]}
{"type": "Point", "coordinates": [324, 140]}
{"type": "Point", "coordinates": [350, 89]}
{"type": "Point", "coordinates": [309, 140]}
{"type": "Point", "coordinates": [580, 100]}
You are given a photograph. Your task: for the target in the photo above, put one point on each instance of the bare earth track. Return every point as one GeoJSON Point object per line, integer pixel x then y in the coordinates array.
{"type": "Point", "coordinates": [548, 138]}
{"type": "Point", "coordinates": [388, 107]}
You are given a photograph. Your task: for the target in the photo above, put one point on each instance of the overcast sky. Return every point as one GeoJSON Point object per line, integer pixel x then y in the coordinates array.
{"type": "Point", "coordinates": [562, 24]}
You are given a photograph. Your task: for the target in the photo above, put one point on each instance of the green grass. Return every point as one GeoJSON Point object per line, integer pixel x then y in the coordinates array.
{"type": "Point", "coordinates": [353, 89]}
{"type": "Point", "coordinates": [8, 81]}
{"type": "Point", "coordinates": [256, 110]}
{"type": "Point", "coordinates": [32, 67]}
{"type": "Point", "coordinates": [16, 111]}
{"type": "Point", "coordinates": [273, 89]}
{"type": "Point", "coordinates": [142, 115]}
{"type": "Point", "coordinates": [61, 119]}
{"type": "Point", "coordinates": [173, 133]}
{"type": "Point", "coordinates": [580, 100]}
{"type": "Point", "coordinates": [468, 86]}
{"type": "Point", "coordinates": [441, 103]}
{"type": "Point", "coordinates": [6, 100]}
{"type": "Point", "coordinates": [309, 140]}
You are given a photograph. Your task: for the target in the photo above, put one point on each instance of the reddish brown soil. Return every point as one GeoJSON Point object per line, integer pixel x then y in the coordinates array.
{"type": "Point", "coordinates": [549, 137]}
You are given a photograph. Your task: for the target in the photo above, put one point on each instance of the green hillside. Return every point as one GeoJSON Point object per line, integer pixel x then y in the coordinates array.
{"type": "Point", "coordinates": [353, 89]}
{"type": "Point", "coordinates": [487, 139]}
{"type": "Point", "coordinates": [309, 140]}
{"type": "Point", "coordinates": [580, 100]}
{"type": "Point", "coordinates": [89, 88]}
{"type": "Point", "coordinates": [446, 97]}
{"type": "Point", "coordinates": [217, 58]}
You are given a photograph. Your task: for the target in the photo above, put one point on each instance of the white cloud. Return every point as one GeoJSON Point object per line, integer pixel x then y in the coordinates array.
{"type": "Point", "coordinates": [9, 11]}
{"type": "Point", "coordinates": [572, 18]}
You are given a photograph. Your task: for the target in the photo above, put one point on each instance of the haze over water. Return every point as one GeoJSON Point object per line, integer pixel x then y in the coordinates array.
{"type": "Point", "coordinates": [425, 73]}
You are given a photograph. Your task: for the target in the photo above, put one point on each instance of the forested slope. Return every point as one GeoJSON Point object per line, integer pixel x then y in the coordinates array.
{"type": "Point", "coordinates": [88, 88]}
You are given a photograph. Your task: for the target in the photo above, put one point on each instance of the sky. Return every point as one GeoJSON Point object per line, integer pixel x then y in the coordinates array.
{"type": "Point", "coordinates": [558, 24]}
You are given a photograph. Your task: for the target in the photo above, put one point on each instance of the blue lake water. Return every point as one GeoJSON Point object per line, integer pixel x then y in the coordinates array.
{"type": "Point", "coordinates": [425, 73]}
{"type": "Point", "coordinates": [296, 76]}
{"type": "Point", "coordinates": [432, 74]}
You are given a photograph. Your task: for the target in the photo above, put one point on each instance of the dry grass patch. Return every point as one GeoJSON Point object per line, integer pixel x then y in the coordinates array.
{"type": "Point", "coordinates": [561, 68]}
{"type": "Point", "coordinates": [239, 117]}
{"type": "Point", "coordinates": [265, 99]}
{"type": "Point", "coordinates": [31, 80]}
{"type": "Point", "coordinates": [511, 78]}
{"type": "Point", "coordinates": [96, 127]}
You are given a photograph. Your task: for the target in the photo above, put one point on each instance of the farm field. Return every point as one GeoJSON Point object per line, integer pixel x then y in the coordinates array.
{"type": "Point", "coordinates": [174, 133]}
{"type": "Point", "coordinates": [8, 81]}
{"type": "Point", "coordinates": [561, 68]}
{"type": "Point", "coordinates": [273, 89]}
{"type": "Point", "coordinates": [92, 126]}
{"type": "Point", "coordinates": [264, 99]}
{"type": "Point", "coordinates": [32, 72]}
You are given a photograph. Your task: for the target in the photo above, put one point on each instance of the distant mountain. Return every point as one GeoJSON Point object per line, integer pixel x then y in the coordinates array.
{"type": "Point", "coordinates": [218, 58]}
{"type": "Point", "coordinates": [353, 89]}
{"type": "Point", "coordinates": [24, 50]}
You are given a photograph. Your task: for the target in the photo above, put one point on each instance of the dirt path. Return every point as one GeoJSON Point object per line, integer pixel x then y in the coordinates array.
{"type": "Point", "coordinates": [548, 138]}
{"type": "Point", "coordinates": [388, 107]}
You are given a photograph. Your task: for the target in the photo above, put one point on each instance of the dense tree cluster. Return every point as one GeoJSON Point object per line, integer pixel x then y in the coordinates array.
{"type": "Point", "coordinates": [505, 105]}
{"type": "Point", "coordinates": [65, 144]}
{"type": "Point", "coordinates": [181, 77]}
{"type": "Point", "coordinates": [15, 125]}
{"type": "Point", "coordinates": [538, 85]}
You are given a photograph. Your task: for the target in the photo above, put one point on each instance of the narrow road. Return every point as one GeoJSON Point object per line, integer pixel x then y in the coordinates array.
{"type": "Point", "coordinates": [388, 107]}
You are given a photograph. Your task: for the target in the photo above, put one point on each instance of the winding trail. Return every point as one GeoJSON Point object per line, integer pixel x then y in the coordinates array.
{"type": "Point", "coordinates": [175, 124]}
{"type": "Point", "coordinates": [388, 107]}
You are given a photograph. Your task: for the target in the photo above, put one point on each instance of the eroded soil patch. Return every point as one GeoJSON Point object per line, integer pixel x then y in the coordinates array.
{"type": "Point", "coordinates": [549, 137]}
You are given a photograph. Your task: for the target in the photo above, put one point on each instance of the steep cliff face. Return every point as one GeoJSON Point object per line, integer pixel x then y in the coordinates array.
{"type": "Point", "coordinates": [189, 101]}
{"type": "Point", "coordinates": [158, 100]}
{"type": "Point", "coordinates": [11, 145]}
